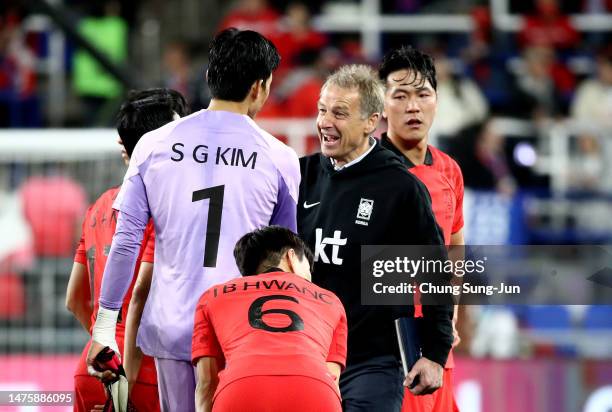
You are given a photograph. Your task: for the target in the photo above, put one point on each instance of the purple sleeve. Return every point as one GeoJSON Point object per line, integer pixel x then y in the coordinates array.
{"type": "Point", "coordinates": [131, 223]}
{"type": "Point", "coordinates": [285, 211]}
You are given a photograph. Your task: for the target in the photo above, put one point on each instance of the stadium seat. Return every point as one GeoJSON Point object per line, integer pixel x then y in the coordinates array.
{"type": "Point", "coordinates": [598, 317]}
{"type": "Point", "coordinates": [547, 317]}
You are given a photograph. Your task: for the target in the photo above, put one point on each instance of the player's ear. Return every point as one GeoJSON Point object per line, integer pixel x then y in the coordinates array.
{"type": "Point", "coordinates": [297, 265]}
{"type": "Point", "coordinates": [255, 89]}
{"type": "Point", "coordinates": [292, 260]}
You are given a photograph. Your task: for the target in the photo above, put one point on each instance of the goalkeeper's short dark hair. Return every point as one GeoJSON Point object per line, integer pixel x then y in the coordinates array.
{"type": "Point", "coordinates": [237, 59]}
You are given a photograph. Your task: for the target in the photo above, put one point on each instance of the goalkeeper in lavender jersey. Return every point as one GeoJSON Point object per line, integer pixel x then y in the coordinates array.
{"type": "Point", "coordinates": [206, 180]}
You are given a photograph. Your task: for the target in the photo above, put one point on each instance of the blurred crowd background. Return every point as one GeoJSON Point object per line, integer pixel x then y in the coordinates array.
{"type": "Point", "coordinates": [524, 106]}
{"type": "Point", "coordinates": [536, 61]}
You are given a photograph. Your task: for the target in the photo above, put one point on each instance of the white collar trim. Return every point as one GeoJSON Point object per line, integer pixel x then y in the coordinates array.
{"type": "Point", "coordinates": [355, 161]}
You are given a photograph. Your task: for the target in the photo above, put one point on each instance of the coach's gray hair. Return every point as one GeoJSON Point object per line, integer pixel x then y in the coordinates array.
{"type": "Point", "coordinates": [366, 81]}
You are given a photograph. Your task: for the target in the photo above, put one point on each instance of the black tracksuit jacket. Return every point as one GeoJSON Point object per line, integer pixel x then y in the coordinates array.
{"type": "Point", "coordinates": [400, 215]}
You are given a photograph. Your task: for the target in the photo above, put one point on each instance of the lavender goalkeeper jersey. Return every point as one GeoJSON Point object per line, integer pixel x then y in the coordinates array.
{"type": "Point", "coordinates": [206, 179]}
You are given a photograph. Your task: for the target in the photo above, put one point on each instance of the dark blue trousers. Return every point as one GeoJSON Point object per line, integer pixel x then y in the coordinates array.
{"type": "Point", "coordinates": [373, 385]}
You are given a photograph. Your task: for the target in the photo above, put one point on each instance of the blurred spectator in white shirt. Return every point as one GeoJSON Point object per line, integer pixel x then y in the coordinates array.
{"type": "Point", "coordinates": [592, 110]}
{"type": "Point", "coordinates": [593, 100]}
{"type": "Point", "coordinates": [460, 101]}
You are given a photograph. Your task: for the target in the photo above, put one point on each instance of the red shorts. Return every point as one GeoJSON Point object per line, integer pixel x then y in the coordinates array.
{"type": "Point", "coordinates": [441, 400]}
{"type": "Point", "coordinates": [277, 393]}
{"type": "Point", "coordinates": [89, 391]}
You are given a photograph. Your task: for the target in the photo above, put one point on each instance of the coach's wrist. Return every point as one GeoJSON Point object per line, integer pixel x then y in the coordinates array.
{"type": "Point", "coordinates": [437, 353]}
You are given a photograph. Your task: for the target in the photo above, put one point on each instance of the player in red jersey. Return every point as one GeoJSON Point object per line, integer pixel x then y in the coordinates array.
{"type": "Point", "coordinates": [410, 106]}
{"type": "Point", "coordinates": [282, 337]}
{"type": "Point", "coordinates": [143, 111]}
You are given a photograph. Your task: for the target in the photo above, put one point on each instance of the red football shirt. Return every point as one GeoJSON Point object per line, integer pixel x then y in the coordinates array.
{"type": "Point", "coordinates": [96, 237]}
{"type": "Point", "coordinates": [444, 181]}
{"type": "Point", "coordinates": [270, 324]}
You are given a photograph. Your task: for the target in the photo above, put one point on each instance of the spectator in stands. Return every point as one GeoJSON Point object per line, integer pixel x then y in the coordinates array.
{"type": "Point", "coordinates": [460, 101]}
{"type": "Point", "coordinates": [480, 152]}
{"type": "Point", "coordinates": [592, 108]}
{"type": "Point", "coordinates": [18, 100]}
{"type": "Point", "coordinates": [497, 332]}
{"type": "Point", "coordinates": [542, 88]}
{"type": "Point", "coordinates": [296, 36]}
{"type": "Point", "coordinates": [177, 68]}
{"type": "Point", "coordinates": [478, 49]}
{"type": "Point", "coordinates": [481, 36]}
{"type": "Point", "coordinates": [548, 27]}
{"type": "Point", "coordinates": [593, 99]}
{"type": "Point", "coordinates": [302, 100]}
{"type": "Point", "coordinates": [179, 75]}
{"type": "Point", "coordinates": [298, 93]}
{"type": "Point", "coordinates": [254, 15]}
{"type": "Point", "coordinates": [485, 60]}
{"type": "Point", "coordinates": [107, 31]}
{"type": "Point", "coordinates": [16, 255]}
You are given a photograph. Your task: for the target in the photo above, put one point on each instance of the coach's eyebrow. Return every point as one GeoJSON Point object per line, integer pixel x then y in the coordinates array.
{"type": "Point", "coordinates": [341, 106]}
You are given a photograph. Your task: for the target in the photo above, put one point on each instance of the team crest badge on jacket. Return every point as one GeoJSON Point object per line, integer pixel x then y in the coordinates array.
{"type": "Point", "coordinates": [364, 212]}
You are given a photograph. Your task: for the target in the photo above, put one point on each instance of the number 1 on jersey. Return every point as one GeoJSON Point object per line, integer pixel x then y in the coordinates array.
{"type": "Point", "coordinates": [213, 228]}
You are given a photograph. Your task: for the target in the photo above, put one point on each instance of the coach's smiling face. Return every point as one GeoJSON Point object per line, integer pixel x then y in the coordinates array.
{"type": "Point", "coordinates": [342, 128]}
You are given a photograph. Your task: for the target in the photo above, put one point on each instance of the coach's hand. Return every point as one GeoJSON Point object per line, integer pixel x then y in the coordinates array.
{"type": "Point", "coordinates": [430, 377]}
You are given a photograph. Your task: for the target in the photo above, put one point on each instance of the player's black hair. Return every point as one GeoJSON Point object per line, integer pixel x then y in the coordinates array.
{"type": "Point", "coordinates": [146, 110]}
{"type": "Point", "coordinates": [263, 249]}
{"type": "Point", "coordinates": [237, 59]}
{"type": "Point", "coordinates": [411, 59]}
